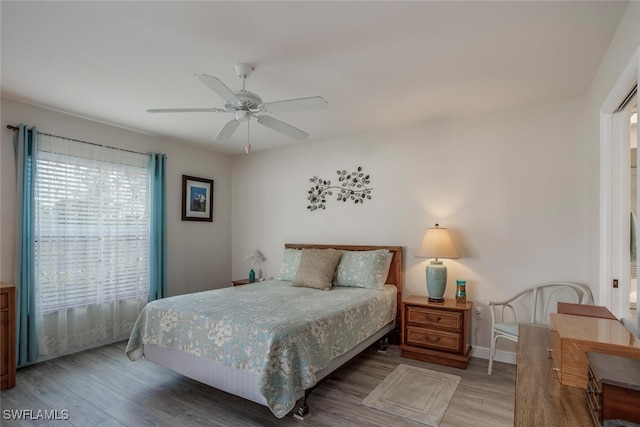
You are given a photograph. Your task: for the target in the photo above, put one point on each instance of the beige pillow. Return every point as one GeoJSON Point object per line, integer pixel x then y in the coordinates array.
{"type": "Point", "coordinates": [316, 268]}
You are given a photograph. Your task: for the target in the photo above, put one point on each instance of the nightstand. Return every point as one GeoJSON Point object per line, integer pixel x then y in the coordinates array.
{"type": "Point", "coordinates": [436, 332]}
{"type": "Point", "coordinates": [7, 336]}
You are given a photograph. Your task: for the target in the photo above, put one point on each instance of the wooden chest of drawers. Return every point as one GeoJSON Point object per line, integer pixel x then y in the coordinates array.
{"type": "Point", "coordinates": [570, 337]}
{"type": "Point", "coordinates": [540, 399]}
{"type": "Point", "coordinates": [613, 389]}
{"type": "Point", "coordinates": [7, 336]}
{"type": "Point", "coordinates": [436, 332]}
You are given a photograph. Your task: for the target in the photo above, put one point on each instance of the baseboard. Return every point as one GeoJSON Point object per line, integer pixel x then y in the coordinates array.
{"type": "Point", "coordinates": [501, 356]}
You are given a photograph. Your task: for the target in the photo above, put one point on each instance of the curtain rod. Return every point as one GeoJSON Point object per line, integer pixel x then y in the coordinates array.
{"type": "Point", "coordinates": [14, 128]}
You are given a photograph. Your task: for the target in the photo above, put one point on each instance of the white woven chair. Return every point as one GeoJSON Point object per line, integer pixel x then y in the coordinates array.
{"type": "Point", "coordinates": [532, 306]}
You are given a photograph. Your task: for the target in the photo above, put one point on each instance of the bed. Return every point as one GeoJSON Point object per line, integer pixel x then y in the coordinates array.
{"type": "Point", "coordinates": [270, 342]}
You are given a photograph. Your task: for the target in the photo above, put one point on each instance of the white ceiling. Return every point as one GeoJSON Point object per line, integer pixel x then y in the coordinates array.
{"type": "Point", "coordinates": [380, 65]}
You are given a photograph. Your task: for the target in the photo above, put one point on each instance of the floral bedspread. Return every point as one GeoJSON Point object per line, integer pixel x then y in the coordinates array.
{"type": "Point", "coordinates": [284, 334]}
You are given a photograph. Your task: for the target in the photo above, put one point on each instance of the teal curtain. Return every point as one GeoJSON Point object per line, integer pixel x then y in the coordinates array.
{"type": "Point", "coordinates": [158, 225]}
{"type": "Point", "coordinates": [25, 144]}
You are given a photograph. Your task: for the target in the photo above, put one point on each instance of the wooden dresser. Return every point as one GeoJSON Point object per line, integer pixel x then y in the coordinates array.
{"type": "Point", "coordinates": [570, 337]}
{"type": "Point", "coordinates": [613, 391]}
{"type": "Point", "coordinates": [7, 336]}
{"type": "Point", "coordinates": [436, 332]}
{"type": "Point", "coordinates": [540, 399]}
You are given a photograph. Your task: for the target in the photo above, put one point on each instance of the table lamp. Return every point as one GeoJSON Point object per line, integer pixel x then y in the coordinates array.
{"type": "Point", "coordinates": [436, 244]}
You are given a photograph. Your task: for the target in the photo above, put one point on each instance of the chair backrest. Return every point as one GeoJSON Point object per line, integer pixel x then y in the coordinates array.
{"type": "Point", "coordinates": [547, 295]}
{"type": "Point", "coordinates": [534, 305]}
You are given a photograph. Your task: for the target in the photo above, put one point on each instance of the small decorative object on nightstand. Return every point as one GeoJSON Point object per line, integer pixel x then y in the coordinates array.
{"type": "Point", "coordinates": [436, 332]}
{"type": "Point", "coordinates": [437, 244]}
{"type": "Point", "coordinates": [240, 282]}
{"type": "Point", "coordinates": [254, 259]}
{"type": "Point", "coordinates": [461, 291]}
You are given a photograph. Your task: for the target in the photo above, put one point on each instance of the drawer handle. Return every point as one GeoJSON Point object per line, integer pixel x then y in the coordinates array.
{"type": "Point", "coordinates": [434, 340]}
{"type": "Point", "coordinates": [556, 369]}
{"type": "Point", "coordinates": [553, 329]}
{"type": "Point", "coordinates": [550, 350]}
{"type": "Point", "coordinates": [430, 319]}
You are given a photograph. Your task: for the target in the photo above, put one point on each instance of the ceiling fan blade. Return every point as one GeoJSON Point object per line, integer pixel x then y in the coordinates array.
{"type": "Point", "coordinates": [224, 134]}
{"type": "Point", "coordinates": [282, 127]}
{"type": "Point", "coordinates": [186, 110]}
{"type": "Point", "coordinates": [300, 104]}
{"type": "Point", "coordinates": [218, 87]}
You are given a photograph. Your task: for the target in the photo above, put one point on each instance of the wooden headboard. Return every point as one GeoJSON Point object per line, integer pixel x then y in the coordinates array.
{"type": "Point", "coordinates": [395, 270]}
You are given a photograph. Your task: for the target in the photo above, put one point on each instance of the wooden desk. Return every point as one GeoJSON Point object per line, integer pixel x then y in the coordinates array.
{"type": "Point", "coordinates": [585, 310]}
{"type": "Point", "coordinates": [540, 399]}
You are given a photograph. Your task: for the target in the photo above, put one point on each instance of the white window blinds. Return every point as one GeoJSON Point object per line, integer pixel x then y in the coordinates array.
{"type": "Point", "coordinates": [92, 225]}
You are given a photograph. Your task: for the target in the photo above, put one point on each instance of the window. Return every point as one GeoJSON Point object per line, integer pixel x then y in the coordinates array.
{"type": "Point", "coordinates": [91, 225]}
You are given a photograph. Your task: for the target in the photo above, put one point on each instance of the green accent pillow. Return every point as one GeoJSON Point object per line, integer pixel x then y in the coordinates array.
{"type": "Point", "coordinates": [290, 264]}
{"type": "Point", "coordinates": [317, 267]}
{"type": "Point", "coordinates": [363, 269]}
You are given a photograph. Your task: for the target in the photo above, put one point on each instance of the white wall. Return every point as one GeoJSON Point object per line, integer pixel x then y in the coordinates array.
{"type": "Point", "coordinates": [199, 256]}
{"type": "Point", "coordinates": [510, 187]}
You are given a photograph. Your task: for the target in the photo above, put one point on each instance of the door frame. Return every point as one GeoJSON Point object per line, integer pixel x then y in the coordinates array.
{"type": "Point", "coordinates": [614, 164]}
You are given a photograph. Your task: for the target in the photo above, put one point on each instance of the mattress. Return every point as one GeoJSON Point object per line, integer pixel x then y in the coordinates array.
{"type": "Point", "coordinates": [283, 335]}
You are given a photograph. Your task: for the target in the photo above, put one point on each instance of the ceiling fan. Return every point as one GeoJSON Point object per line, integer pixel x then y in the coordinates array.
{"type": "Point", "coordinates": [244, 105]}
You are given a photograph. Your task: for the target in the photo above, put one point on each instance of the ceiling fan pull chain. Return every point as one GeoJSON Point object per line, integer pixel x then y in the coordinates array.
{"type": "Point", "coordinates": [247, 148]}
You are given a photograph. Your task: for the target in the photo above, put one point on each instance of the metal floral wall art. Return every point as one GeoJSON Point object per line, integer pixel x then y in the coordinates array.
{"type": "Point", "coordinates": [353, 186]}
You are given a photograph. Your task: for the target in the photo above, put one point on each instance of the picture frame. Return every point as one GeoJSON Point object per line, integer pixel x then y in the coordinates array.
{"type": "Point", "coordinates": [197, 199]}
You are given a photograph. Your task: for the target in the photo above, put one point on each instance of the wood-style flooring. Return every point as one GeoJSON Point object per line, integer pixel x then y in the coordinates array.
{"type": "Point", "coordinates": [101, 387]}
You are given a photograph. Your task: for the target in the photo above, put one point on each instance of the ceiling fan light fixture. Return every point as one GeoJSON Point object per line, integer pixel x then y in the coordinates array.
{"type": "Point", "coordinates": [242, 115]}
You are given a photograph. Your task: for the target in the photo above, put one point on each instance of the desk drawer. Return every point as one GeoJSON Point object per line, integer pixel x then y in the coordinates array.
{"type": "Point", "coordinates": [594, 398]}
{"type": "Point", "coordinates": [555, 353]}
{"type": "Point", "coordinates": [434, 318]}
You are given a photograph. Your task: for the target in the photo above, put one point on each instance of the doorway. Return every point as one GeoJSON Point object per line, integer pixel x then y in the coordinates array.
{"type": "Point", "coordinates": [616, 271]}
{"type": "Point", "coordinates": [633, 234]}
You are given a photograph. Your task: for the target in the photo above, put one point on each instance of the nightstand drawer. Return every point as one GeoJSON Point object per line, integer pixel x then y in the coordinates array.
{"type": "Point", "coordinates": [434, 318]}
{"type": "Point", "coordinates": [4, 300]}
{"type": "Point", "coordinates": [435, 339]}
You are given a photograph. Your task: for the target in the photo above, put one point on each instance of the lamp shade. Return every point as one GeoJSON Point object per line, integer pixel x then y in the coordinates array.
{"type": "Point", "coordinates": [437, 244]}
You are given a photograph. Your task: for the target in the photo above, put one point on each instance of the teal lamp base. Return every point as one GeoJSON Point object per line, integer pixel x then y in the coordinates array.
{"type": "Point", "coordinates": [436, 280]}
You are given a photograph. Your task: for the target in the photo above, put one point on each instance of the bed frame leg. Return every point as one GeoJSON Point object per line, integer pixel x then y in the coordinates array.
{"type": "Point", "coordinates": [302, 411]}
{"type": "Point", "coordinates": [382, 344]}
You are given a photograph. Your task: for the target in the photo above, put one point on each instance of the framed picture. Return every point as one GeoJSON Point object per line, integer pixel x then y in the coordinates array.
{"type": "Point", "coordinates": [197, 199]}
